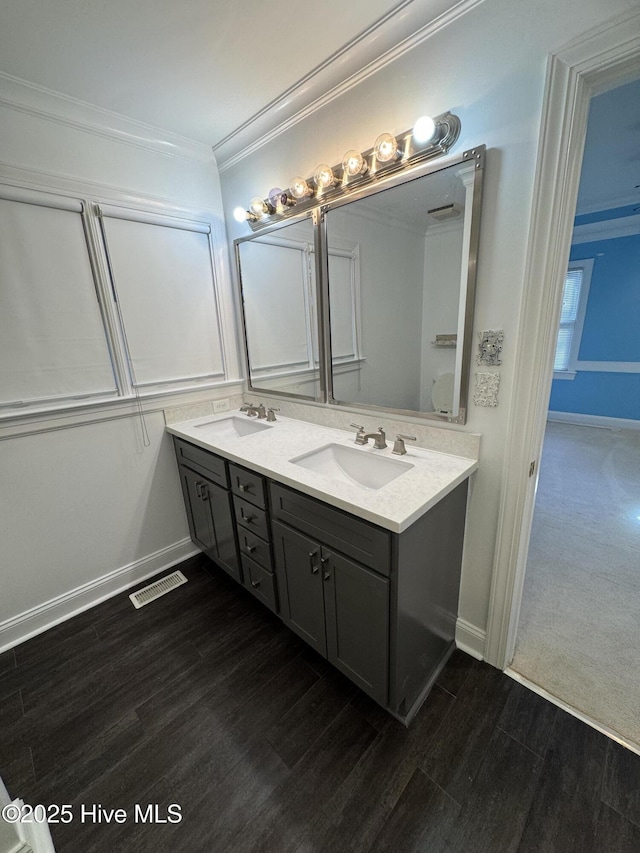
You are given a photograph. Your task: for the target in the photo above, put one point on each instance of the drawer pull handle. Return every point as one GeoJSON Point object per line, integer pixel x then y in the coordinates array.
{"type": "Point", "coordinates": [198, 487]}
{"type": "Point", "coordinates": [255, 584]}
{"type": "Point", "coordinates": [327, 576]}
{"type": "Point", "coordinates": [312, 557]}
{"type": "Point", "coordinates": [247, 518]}
{"type": "Point", "coordinates": [324, 561]}
{"type": "Point", "coordinates": [242, 487]}
{"type": "Point", "coordinates": [251, 549]}
{"type": "Point", "coordinates": [205, 493]}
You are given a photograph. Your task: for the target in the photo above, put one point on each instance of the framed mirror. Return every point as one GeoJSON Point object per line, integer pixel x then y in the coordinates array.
{"type": "Point", "coordinates": [367, 302]}
{"type": "Point", "coordinates": [408, 299]}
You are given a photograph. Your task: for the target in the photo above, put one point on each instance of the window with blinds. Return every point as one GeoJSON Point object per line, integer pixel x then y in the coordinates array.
{"type": "Point", "coordinates": [574, 298]}
{"type": "Point", "coordinates": [102, 304]}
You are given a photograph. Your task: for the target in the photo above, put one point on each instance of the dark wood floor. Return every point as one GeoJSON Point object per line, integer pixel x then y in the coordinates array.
{"type": "Point", "coordinates": [205, 700]}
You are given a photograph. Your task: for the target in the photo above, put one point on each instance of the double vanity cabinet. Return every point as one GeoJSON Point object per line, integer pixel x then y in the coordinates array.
{"type": "Point", "coordinates": [379, 603]}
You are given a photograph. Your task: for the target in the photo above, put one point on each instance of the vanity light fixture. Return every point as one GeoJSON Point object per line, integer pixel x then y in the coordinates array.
{"type": "Point", "coordinates": [429, 138]}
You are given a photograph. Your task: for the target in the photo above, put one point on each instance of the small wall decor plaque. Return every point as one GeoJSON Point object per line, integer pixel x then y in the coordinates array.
{"type": "Point", "coordinates": [486, 390]}
{"type": "Point", "coordinates": [490, 347]}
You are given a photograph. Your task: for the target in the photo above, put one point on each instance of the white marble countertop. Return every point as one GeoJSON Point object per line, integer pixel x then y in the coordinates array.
{"type": "Point", "coordinates": [394, 506]}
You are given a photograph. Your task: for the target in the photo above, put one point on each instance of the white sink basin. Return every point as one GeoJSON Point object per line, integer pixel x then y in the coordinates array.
{"type": "Point", "coordinates": [350, 465]}
{"type": "Point", "coordinates": [232, 427]}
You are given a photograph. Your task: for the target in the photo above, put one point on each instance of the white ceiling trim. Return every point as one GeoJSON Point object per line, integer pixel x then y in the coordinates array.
{"type": "Point", "coordinates": [53, 106]}
{"type": "Point", "coordinates": [385, 41]}
{"type": "Point", "coordinates": [606, 229]}
{"type": "Point", "coordinates": [611, 202]}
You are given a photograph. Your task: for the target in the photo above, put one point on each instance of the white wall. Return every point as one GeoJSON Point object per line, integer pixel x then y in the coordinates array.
{"type": "Point", "coordinates": [391, 307]}
{"type": "Point", "coordinates": [489, 68]}
{"type": "Point", "coordinates": [85, 509]}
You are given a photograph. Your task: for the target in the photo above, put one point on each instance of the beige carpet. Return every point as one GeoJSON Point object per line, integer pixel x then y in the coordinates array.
{"type": "Point", "coordinates": [579, 631]}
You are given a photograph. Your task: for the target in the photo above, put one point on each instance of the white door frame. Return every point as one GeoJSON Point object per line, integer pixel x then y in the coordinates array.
{"type": "Point", "coordinates": [600, 59]}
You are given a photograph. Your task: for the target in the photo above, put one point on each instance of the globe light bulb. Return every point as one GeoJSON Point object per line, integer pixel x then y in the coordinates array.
{"type": "Point", "coordinates": [277, 199]}
{"type": "Point", "coordinates": [240, 214]}
{"type": "Point", "coordinates": [385, 148]}
{"type": "Point", "coordinates": [353, 163]}
{"type": "Point", "coordinates": [299, 188]}
{"type": "Point", "coordinates": [424, 130]}
{"type": "Point", "coordinates": [323, 176]}
{"type": "Point", "coordinates": [258, 207]}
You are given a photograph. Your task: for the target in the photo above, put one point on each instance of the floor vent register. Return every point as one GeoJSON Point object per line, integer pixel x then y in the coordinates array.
{"type": "Point", "coordinates": [156, 589]}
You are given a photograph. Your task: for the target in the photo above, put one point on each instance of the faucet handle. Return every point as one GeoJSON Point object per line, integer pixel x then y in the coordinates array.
{"type": "Point", "coordinates": [360, 439]}
{"type": "Point", "coordinates": [271, 414]}
{"type": "Point", "coordinates": [398, 444]}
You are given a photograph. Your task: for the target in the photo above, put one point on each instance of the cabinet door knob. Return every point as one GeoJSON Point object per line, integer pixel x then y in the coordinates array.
{"type": "Point", "coordinates": [247, 518]}
{"type": "Point", "coordinates": [242, 487]}
{"type": "Point", "coordinates": [205, 493]}
{"type": "Point", "coordinates": [327, 576]}
{"type": "Point", "coordinates": [255, 584]}
{"type": "Point", "coordinates": [251, 549]}
{"type": "Point", "coordinates": [198, 488]}
{"type": "Point", "coordinates": [324, 560]}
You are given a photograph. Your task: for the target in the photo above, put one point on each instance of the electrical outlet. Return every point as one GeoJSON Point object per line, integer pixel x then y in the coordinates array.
{"type": "Point", "coordinates": [220, 405]}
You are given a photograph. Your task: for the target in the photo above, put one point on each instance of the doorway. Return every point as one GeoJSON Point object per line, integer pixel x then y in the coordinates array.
{"type": "Point", "coordinates": [579, 629]}
{"type": "Point", "coordinates": [595, 63]}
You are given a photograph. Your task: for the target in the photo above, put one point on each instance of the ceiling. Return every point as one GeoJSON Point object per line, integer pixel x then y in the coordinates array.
{"type": "Point", "coordinates": [224, 74]}
{"type": "Point", "coordinates": [197, 68]}
{"type": "Point", "coordinates": [611, 164]}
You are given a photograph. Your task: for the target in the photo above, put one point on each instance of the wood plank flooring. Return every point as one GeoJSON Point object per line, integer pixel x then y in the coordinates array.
{"type": "Point", "coordinates": [203, 699]}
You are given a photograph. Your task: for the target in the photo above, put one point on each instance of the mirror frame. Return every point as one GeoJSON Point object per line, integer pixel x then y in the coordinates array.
{"type": "Point", "coordinates": [317, 214]}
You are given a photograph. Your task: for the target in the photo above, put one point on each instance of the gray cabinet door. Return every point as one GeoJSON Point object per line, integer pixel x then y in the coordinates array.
{"type": "Point", "coordinates": [210, 519]}
{"type": "Point", "coordinates": [297, 560]}
{"type": "Point", "coordinates": [197, 510]}
{"type": "Point", "coordinates": [221, 520]}
{"type": "Point", "coordinates": [357, 618]}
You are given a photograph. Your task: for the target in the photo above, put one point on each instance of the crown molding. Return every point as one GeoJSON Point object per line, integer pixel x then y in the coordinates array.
{"type": "Point", "coordinates": [381, 44]}
{"type": "Point", "coordinates": [606, 229]}
{"type": "Point", "coordinates": [29, 98]}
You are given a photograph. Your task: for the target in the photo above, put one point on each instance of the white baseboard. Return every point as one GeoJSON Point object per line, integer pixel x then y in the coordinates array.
{"type": "Point", "coordinates": [20, 628]}
{"type": "Point", "coordinates": [592, 420]}
{"type": "Point", "coordinates": [470, 639]}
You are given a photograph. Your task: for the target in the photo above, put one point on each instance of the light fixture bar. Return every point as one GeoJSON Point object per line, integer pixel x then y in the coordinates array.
{"type": "Point", "coordinates": [329, 183]}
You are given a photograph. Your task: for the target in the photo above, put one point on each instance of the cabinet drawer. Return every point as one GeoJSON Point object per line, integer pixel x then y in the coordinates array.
{"type": "Point", "coordinates": [260, 583]}
{"type": "Point", "coordinates": [251, 517]}
{"type": "Point", "coordinates": [366, 543]}
{"type": "Point", "coordinates": [247, 485]}
{"type": "Point", "coordinates": [254, 547]}
{"type": "Point", "coordinates": [202, 461]}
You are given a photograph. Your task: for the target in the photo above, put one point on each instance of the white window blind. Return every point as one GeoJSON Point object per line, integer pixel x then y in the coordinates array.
{"type": "Point", "coordinates": [571, 302]}
{"type": "Point", "coordinates": [52, 339]}
{"type": "Point", "coordinates": [164, 284]}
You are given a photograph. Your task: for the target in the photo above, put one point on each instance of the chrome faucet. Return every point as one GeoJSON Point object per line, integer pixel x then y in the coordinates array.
{"type": "Point", "coordinates": [363, 438]}
{"type": "Point", "coordinates": [251, 410]}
